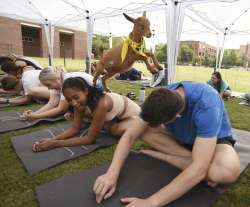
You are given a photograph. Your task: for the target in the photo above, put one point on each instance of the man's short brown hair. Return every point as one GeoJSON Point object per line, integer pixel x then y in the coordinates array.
{"type": "Point", "coordinates": [161, 106]}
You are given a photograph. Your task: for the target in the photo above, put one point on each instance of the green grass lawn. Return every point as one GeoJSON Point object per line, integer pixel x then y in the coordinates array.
{"type": "Point", "coordinates": [17, 187]}
{"type": "Point", "coordinates": [238, 79]}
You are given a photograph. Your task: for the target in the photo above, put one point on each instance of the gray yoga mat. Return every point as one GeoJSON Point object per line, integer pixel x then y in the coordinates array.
{"type": "Point", "coordinates": [2, 105]}
{"type": "Point", "coordinates": [35, 162]}
{"type": "Point", "coordinates": [141, 176]}
{"type": "Point", "coordinates": [10, 120]}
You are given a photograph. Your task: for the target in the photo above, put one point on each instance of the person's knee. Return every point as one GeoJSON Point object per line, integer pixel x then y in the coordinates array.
{"type": "Point", "coordinates": [220, 172]}
{"type": "Point", "coordinates": [227, 94]}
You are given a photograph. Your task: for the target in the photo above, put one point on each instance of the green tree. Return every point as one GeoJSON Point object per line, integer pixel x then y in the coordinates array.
{"type": "Point", "coordinates": [232, 58]}
{"type": "Point", "coordinates": [196, 61]}
{"type": "Point", "coordinates": [161, 52]}
{"type": "Point", "coordinates": [186, 54]}
{"type": "Point", "coordinates": [100, 43]}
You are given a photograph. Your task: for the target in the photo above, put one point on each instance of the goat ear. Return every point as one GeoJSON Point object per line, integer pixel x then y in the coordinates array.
{"type": "Point", "coordinates": [131, 19]}
{"type": "Point", "coordinates": [144, 14]}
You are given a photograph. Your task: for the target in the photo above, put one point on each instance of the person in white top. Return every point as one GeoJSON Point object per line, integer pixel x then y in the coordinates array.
{"type": "Point", "coordinates": [53, 78]}
{"type": "Point", "coordinates": [29, 86]}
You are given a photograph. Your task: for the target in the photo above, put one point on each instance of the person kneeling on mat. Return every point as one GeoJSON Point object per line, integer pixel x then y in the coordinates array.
{"type": "Point", "coordinates": [188, 126]}
{"type": "Point", "coordinates": [29, 86]}
{"type": "Point", "coordinates": [220, 85]}
{"type": "Point", "coordinates": [110, 111]}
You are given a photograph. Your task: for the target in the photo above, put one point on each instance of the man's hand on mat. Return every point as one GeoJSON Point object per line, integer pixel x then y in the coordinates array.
{"type": "Point", "coordinates": [137, 202]}
{"type": "Point", "coordinates": [155, 154]}
{"type": "Point", "coordinates": [43, 144]}
{"type": "Point", "coordinates": [104, 187]}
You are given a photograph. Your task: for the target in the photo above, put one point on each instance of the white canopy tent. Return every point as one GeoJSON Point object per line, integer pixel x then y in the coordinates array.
{"type": "Point", "coordinates": [168, 19]}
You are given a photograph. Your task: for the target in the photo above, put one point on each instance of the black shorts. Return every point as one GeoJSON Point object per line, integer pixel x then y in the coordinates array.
{"type": "Point", "coordinates": [225, 140]}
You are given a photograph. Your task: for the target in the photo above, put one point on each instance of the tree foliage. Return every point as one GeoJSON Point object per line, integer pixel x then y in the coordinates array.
{"type": "Point", "coordinates": [186, 54]}
{"type": "Point", "coordinates": [232, 58]}
{"type": "Point", "coordinates": [161, 52]}
{"type": "Point", "coordinates": [100, 44]}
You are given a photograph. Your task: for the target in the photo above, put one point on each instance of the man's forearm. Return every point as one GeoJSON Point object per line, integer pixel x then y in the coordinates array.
{"type": "Point", "coordinates": [120, 155]}
{"type": "Point", "coordinates": [186, 180]}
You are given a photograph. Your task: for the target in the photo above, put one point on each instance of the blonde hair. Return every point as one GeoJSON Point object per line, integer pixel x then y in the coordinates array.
{"type": "Point", "coordinates": [20, 63]}
{"type": "Point", "coordinates": [51, 73]}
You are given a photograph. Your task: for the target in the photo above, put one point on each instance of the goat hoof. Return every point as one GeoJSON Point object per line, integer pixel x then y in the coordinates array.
{"type": "Point", "coordinates": [159, 67]}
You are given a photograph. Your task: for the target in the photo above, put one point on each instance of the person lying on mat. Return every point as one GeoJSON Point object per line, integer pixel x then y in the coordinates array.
{"type": "Point", "coordinates": [109, 111]}
{"type": "Point", "coordinates": [29, 86]}
{"type": "Point", "coordinates": [188, 126]}
{"type": "Point", "coordinates": [16, 70]}
{"type": "Point", "coordinates": [53, 78]}
{"type": "Point", "coordinates": [220, 85]}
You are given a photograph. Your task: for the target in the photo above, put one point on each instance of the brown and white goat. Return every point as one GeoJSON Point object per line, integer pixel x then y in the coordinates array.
{"type": "Point", "coordinates": [120, 59]}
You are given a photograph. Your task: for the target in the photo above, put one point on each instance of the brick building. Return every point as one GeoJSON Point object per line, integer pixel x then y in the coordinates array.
{"type": "Point", "coordinates": [245, 49]}
{"type": "Point", "coordinates": [29, 39]}
{"type": "Point", "coordinates": [201, 49]}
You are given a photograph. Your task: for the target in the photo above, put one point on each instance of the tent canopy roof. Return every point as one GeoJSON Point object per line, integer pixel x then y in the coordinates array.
{"type": "Point", "coordinates": [204, 18]}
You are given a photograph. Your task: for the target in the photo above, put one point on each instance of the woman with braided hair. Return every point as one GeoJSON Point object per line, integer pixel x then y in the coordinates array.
{"type": "Point", "coordinates": [110, 112]}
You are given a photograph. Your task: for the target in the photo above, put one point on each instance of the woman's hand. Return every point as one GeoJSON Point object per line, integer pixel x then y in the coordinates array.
{"type": "Point", "coordinates": [44, 144]}
{"type": "Point", "coordinates": [104, 187]}
{"type": "Point", "coordinates": [29, 115]}
{"type": "Point", "coordinates": [69, 116]}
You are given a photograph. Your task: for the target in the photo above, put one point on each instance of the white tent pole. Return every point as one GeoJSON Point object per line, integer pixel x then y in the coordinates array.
{"type": "Point", "coordinates": [175, 16]}
{"type": "Point", "coordinates": [166, 60]}
{"type": "Point", "coordinates": [222, 48]}
{"type": "Point", "coordinates": [89, 23]}
{"type": "Point", "coordinates": [179, 30]}
{"type": "Point", "coordinates": [153, 41]}
{"type": "Point", "coordinates": [217, 51]}
{"type": "Point", "coordinates": [110, 40]}
{"type": "Point", "coordinates": [49, 31]}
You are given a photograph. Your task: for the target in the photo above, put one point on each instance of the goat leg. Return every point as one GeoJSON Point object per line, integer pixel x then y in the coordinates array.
{"type": "Point", "coordinates": [98, 71]}
{"type": "Point", "coordinates": [150, 67]}
{"type": "Point", "coordinates": [154, 59]}
{"type": "Point", "coordinates": [104, 78]}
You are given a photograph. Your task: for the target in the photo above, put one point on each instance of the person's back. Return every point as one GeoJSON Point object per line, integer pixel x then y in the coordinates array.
{"type": "Point", "coordinates": [205, 114]}
{"type": "Point", "coordinates": [30, 78]}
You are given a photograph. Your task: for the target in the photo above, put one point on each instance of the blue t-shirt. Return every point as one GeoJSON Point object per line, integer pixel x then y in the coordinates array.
{"type": "Point", "coordinates": [205, 114]}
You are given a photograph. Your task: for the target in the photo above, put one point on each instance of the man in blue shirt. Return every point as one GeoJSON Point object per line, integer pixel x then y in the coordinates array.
{"type": "Point", "coordinates": [188, 126]}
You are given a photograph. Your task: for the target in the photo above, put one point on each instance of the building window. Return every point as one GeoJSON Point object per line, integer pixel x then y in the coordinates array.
{"type": "Point", "coordinates": [62, 44]}
{"type": "Point", "coordinates": [27, 39]}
